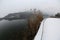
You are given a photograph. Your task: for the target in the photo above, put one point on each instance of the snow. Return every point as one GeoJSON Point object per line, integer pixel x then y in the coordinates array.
{"type": "Point", "coordinates": [49, 30]}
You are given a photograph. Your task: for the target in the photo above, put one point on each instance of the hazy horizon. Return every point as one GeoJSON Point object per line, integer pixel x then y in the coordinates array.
{"type": "Point", "coordinates": [46, 6]}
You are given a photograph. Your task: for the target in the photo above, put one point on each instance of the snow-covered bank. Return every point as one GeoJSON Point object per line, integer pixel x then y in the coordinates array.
{"type": "Point", "coordinates": [49, 30]}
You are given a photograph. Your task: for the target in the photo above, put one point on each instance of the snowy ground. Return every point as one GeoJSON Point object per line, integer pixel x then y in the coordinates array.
{"type": "Point", "coordinates": [49, 30]}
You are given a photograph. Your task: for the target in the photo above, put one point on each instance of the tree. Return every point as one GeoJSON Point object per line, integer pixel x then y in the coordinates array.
{"type": "Point", "coordinates": [57, 15]}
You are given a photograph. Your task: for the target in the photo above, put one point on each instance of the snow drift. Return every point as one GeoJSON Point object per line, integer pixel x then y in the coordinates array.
{"type": "Point", "coordinates": [49, 29]}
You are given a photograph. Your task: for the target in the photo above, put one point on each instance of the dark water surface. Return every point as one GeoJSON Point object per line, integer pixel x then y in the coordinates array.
{"type": "Point", "coordinates": [7, 26]}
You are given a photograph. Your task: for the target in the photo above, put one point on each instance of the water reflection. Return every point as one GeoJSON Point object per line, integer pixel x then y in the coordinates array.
{"type": "Point", "coordinates": [7, 27]}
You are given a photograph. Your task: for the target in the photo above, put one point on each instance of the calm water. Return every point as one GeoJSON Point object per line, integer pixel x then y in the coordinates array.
{"type": "Point", "coordinates": [14, 26]}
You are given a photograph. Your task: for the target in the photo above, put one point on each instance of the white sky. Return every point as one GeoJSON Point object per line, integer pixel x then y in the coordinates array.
{"type": "Point", "coordinates": [8, 6]}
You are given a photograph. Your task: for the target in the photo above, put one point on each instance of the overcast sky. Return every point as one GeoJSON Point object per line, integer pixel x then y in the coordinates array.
{"type": "Point", "coordinates": [48, 6]}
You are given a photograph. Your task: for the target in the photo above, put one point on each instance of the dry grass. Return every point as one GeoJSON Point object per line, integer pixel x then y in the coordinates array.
{"type": "Point", "coordinates": [33, 23]}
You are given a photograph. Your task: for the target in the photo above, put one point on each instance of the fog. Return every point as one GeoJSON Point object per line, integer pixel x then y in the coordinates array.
{"type": "Point", "coordinates": [46, 6]}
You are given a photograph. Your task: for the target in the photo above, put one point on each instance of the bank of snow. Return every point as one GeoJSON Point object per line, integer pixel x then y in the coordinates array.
{"type": "Point", "coordinates": [49, 29]}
